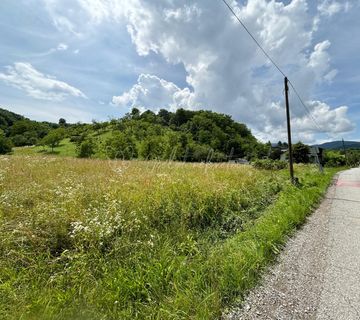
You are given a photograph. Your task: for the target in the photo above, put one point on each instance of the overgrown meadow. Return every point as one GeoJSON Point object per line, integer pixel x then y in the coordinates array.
{"type": "Point", "coordinates": [97, 239]}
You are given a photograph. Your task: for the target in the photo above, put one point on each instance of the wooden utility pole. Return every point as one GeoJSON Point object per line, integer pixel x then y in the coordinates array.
{"type": "Point", "coordinates": [291, 165]}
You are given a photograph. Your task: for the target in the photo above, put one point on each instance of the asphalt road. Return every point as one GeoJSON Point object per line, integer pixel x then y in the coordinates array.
{"type": "Point", "coordinates": [318, 274]}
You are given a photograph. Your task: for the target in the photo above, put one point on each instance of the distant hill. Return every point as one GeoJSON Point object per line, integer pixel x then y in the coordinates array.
{"type": "Point", "coordinates": [337, 145]}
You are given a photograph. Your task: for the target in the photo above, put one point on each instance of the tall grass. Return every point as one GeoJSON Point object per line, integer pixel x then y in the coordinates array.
{"type": "Point", "coordinates": [93, 239]}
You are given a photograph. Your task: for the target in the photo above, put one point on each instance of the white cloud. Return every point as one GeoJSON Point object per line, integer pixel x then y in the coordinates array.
{"type": "Point", "coordinates": [66, 14]}
{"type": "Point", "coordinates": [333, 121]}
{"type": "Point", "coordinates": [221, 61]}
{"type": "Point", "coordinates": [151, 92]}
{"type": "Point", "coordinates": [330, 7]}
{"type": "Point", "coordinates": [48, 111]}
{"type": "Point", "coordinates": [59, 48]}
{"type": "Point", "coordinates": [327, 119]}
{"type": "Point", "coordinates": [225, 70]}
{"type": "Point", "coordinates": [322, 118]}
{"type": "Point", "coordinates": [36, 84]}
{"type": "Point", "coordinates": [319, 61]}
{"type": "Point", "coordinates": [62, 47]}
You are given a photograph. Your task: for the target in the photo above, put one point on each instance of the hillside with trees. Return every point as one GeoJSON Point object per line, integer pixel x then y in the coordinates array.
{"type": "Point", "coordinates": [21, 131]}
{"type": "Point", "coordinates": [182, 135]}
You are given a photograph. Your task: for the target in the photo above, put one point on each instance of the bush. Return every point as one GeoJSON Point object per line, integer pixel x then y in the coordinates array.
{"type": "Point", "coordinates": [77, 139]}
{"type": "Point", "coordinates": [334, 159]}
{"type": "Point", "coordinates": [301, 153]}
{"type": "Point", "coordinates": [19, 140]}
{"type": "Point", "coordinates": [269, 164]}
{"type": "Point", "coordinates": [5, 144]}
{"type": "Point", "coordinates": [152, 147]}
{"type": "Point", "coordinates": [353, 158]}
{"type": "Point", "coordinates": [120, 146]}
{"type": "Point", "coordinates": [86, 149]}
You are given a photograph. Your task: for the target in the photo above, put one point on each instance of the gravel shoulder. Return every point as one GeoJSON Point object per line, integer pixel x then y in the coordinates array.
{"type": "Point", "coordinates": [315, 276]}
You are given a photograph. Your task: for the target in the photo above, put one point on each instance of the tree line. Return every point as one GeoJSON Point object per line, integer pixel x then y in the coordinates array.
{"type": "Point", "coordinates": [183, 135]}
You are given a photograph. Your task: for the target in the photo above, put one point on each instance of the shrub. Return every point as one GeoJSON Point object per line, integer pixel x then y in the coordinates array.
{"type": "Point", "coordinates": [5, 144]}
{"type": "Point", "coordinates": [120, 146]}
{"type": "Point", "coordinates": [334, 159]}
{"type": "Point", "coordinates": [19, 140]}
{"type": "Point", "coordinates": [152, 147]}
{"type": "Point", "coordinates": [353, 158]}
{"type": "Point", "coordinates": [301, 153]}
{"type": "Point", "coordinates": [86, 149]}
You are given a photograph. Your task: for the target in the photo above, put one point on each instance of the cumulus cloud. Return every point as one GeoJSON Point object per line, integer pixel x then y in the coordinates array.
{"type": "Point", "coordinates": [319, 60]}
{"type": "Point", "coordinates": [38, 85]}
{"type": "Point", "coordinates": [223, 64]}
{"type": "Point", "coordinates": [321, 118]}
{"type": "Point", "coordinates": [151, 92]}
{"type": "Point", "coordinates": [327, 119]}
{"type": "Point", "coordinates": [225, 70]}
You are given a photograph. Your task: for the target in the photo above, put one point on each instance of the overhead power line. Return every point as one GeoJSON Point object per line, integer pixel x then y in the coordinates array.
{"type": "Point", "coordinates": [257, 42]}
{"type": "Point", "coordinates": [309, 112]}
{"type": "Point", "coordinates": [306, 108]}
{"type": "Point", "coordinates": [276, 66]}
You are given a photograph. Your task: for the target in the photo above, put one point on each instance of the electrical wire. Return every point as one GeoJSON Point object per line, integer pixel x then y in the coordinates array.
{"type": "Point", "coordinates": [305, 107]}
{"type": "Point", "coordinates": [257, 42]}
{"type": "Point", "coordinates": [277, 67]}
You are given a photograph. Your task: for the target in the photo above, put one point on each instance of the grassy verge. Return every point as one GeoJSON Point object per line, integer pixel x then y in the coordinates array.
{"type": "Point", "coordinates": [239, 261]}
{"type": "Point", "coordinates": [92, 239]}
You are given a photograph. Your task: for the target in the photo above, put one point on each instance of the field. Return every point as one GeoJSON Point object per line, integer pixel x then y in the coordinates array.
{"type": "Point", "coordinates": [65, 149]}
{"type": "Point", "coordinates": [99, 239]}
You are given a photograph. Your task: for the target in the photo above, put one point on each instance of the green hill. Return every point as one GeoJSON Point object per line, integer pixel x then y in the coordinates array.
{"type": "Point", "coordinates": [183, 135]}
{"type": "Point", "coordinates": [8, 118]}
{"type": "Point", "coordinates": [22, 131]}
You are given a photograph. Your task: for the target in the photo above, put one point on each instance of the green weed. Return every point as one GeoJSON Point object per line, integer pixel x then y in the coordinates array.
{"type": "Point", "coordinates": [97, 239]}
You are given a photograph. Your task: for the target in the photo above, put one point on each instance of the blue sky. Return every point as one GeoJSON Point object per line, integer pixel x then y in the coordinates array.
{"type": "Point", "coordinates": [95, 59]}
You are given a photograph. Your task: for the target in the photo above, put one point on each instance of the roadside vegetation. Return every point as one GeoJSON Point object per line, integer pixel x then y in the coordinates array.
{"type": "Point", "coordinates": [102, 239]}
